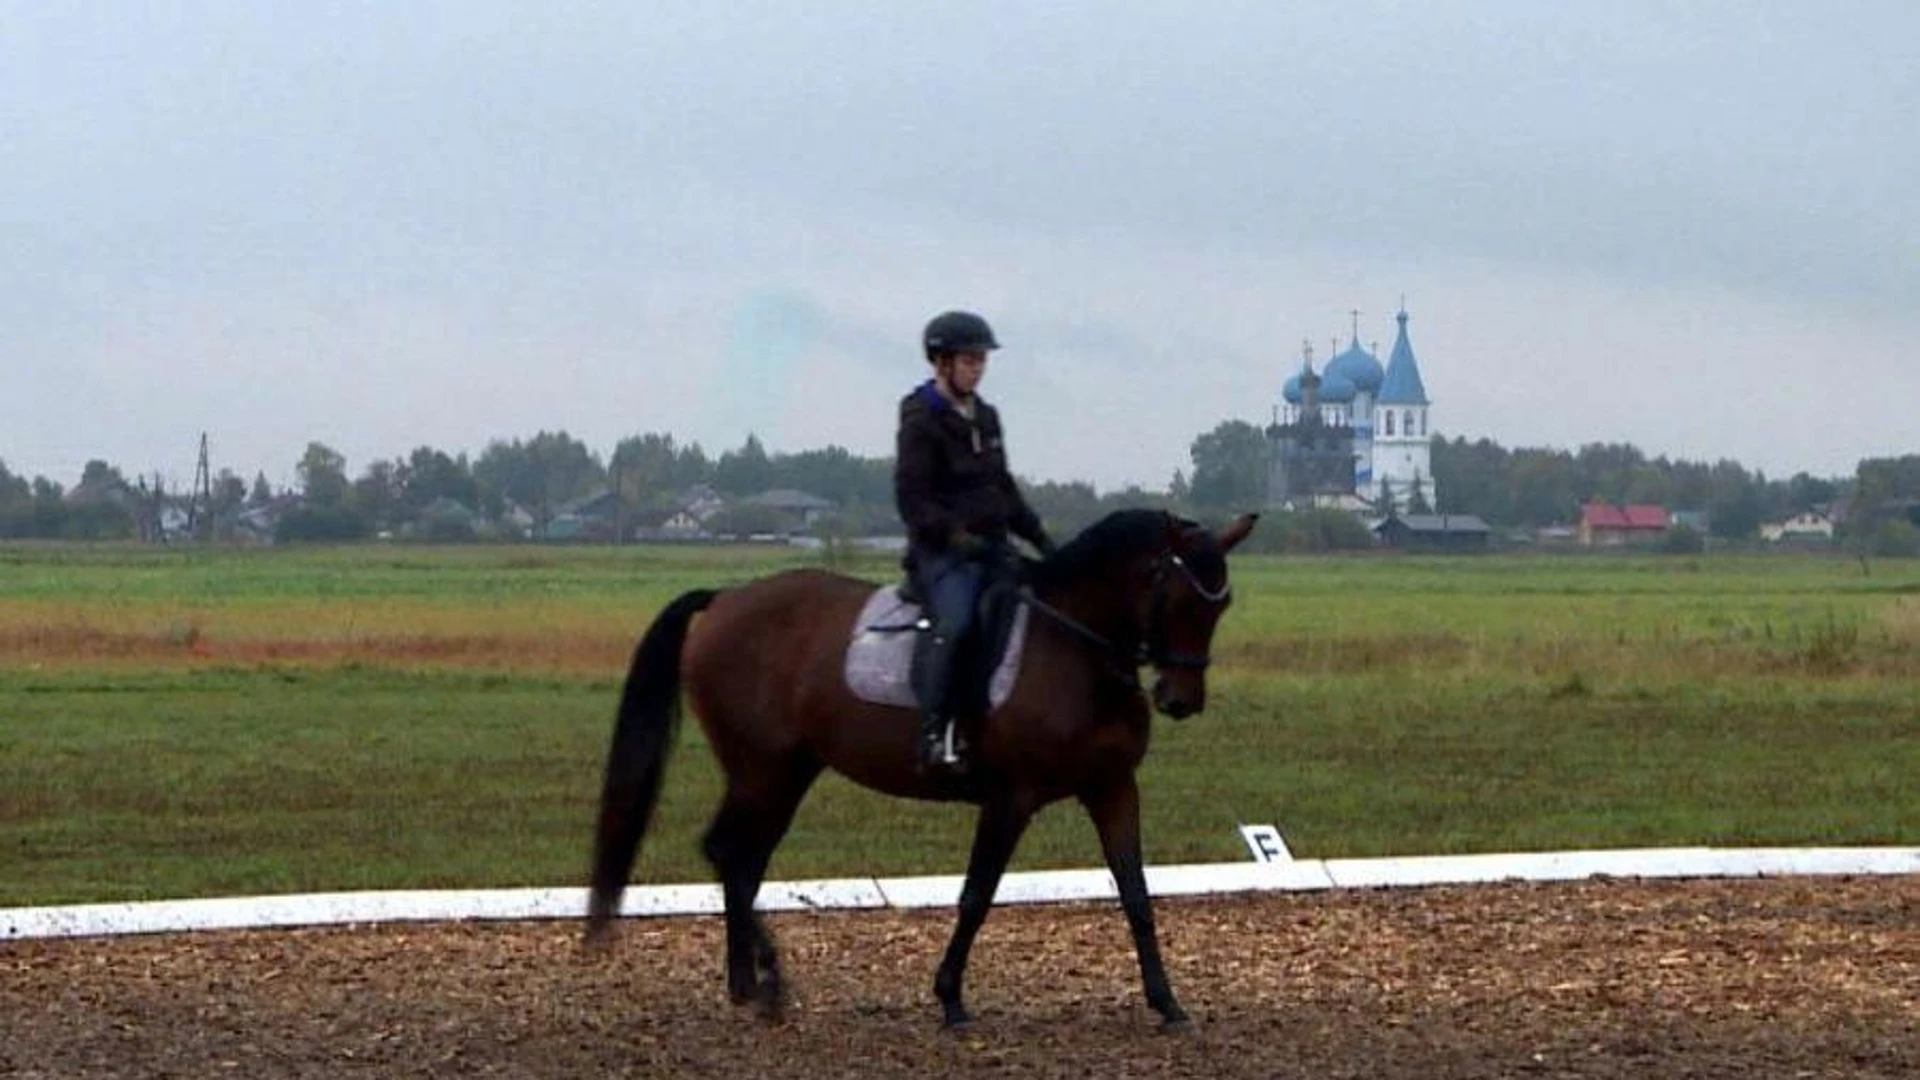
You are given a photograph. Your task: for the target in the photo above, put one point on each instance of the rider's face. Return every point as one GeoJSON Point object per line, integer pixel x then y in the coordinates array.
{"type": "Point", "coordinates": [965, 371]}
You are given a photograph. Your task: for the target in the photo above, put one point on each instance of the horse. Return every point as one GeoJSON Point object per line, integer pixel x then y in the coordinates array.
{"type": "Point", "coordinates": [762, 668]}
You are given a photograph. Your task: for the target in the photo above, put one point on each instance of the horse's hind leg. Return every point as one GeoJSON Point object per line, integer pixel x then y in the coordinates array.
{"type": "Point", "coordinates": [752, 819]}
{"type": "Point", "coordinates": [729, 847]}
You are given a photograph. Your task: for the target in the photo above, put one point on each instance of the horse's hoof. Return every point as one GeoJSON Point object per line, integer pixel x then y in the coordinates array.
{"type": "Point", "coordinates": [1179, 1025]}
{"type": "Point", "coordinates": [745, 992]}
{"type": "Point", "coordinates": [597, 939]}
{"type": "Point", "coordinates": [956, 1019]}
{"type": "Point", "coordinates": [771, 1003]}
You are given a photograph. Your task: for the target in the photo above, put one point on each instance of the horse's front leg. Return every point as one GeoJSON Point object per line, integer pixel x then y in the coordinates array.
{"type": "Point", "coordinates": [1002, 821]}
{"type": "Point", "coordinates": [1115, 810]}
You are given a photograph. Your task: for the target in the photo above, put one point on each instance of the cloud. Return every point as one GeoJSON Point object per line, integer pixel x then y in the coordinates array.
{"type": "Point", "coordinates": [382, 226]}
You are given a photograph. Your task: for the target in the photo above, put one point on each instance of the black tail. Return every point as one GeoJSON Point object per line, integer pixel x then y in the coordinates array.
{"type": "Point", "coordinates": [642, 736]}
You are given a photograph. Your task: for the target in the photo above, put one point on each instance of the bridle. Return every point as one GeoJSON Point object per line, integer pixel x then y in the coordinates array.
{"type": "Point", "coordinates": [1153, 647]}
{"type": "Point", "coordinates": [1150, 646]}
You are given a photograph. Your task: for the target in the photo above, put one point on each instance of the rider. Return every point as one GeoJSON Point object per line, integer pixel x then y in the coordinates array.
{"type": "Point", "coordinates": [959, 503]}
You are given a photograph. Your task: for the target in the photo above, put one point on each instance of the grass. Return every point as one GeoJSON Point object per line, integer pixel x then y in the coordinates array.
{"type": "Point", "coordinates": [216, 723]}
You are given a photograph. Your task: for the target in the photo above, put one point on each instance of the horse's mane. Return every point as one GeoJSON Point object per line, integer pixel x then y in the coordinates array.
{"type": "Point", "coordinates": [1124, 534]}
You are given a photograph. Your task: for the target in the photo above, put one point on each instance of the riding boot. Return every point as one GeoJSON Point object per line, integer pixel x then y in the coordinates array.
{"type": "Point", "coordinates": [932, 672]}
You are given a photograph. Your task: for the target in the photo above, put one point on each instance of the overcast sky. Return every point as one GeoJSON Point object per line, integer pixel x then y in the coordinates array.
{"type": "Point", "coordinates": [1692, 226]}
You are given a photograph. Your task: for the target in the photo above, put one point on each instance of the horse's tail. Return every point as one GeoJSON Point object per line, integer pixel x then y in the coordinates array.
{"type": "Point", "coordinates": [642, 736]}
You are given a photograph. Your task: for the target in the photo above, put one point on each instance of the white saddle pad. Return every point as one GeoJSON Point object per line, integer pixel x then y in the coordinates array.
{"type": "Point", "coordinates": [880, 654]}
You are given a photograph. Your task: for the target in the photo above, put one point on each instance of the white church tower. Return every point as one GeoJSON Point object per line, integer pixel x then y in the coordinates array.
{"type": "Point", "coordinates": [1402, 450]}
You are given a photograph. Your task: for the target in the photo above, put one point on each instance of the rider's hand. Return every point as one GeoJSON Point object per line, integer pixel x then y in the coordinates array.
{"type": "Point", "coordinates": [967, 545]}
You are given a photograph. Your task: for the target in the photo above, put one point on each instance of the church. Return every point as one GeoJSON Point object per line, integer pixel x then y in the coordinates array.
{"type": "Point", "coordinates": [1354, 434]}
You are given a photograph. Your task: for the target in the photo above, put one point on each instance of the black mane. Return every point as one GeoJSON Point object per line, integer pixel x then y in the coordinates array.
{"type": "Point", "coordinates": [1124, 534]}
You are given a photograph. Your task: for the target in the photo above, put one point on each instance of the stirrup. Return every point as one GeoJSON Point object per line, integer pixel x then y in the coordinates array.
{"type": "Point", "coordinates": [945, 751]}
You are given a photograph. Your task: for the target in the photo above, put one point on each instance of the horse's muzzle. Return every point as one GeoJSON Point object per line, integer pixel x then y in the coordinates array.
{"type": "Point", "coordinates": [1171, 702]}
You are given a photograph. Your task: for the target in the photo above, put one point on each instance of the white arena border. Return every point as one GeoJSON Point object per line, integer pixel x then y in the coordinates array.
{"type": "Point", "coordinates": [1033, 887]}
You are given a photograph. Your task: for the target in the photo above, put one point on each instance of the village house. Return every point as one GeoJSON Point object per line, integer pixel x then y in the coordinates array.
{"type": "Point", "coordinates": [701, 502]}
{"type": "Point", "coordinates": [669, 525]}
{"type": "Point", "coordinates": [257, 524]}
{"type": "Point", "coordinates": [1810, 527]}
{"type": "Point", "coordinates": [681, 522]}
{"type": "Point", "coordinates": [1605, 525]}
{"type": "Point", "coordinates": [595, 516]}
{"type": "Point", "coordinates": [806, 507]}
{"type": "Point", "coordinates": [1433, 532]}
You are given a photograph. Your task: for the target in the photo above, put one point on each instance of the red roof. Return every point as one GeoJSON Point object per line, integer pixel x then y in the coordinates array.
{"type": "Point", "coordinates": [1600, 515]}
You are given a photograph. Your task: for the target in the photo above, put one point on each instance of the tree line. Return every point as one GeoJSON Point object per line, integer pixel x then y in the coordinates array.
{"type": "Point", "coordinates": [1537, 486]}
{"type": "Point", "coordinates": [649, 474]}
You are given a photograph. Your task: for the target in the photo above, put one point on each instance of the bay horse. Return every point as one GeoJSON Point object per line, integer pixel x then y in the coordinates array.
{"type": "Point", "coordinates": [762, 669]}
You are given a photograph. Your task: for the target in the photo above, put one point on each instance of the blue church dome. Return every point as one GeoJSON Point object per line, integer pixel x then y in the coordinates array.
{"type": "Point", "coordinates": [1334, 390]}
{"type": "Point", "coordinates": [1358, 367]}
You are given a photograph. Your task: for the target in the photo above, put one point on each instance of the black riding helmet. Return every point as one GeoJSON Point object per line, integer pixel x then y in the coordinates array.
{"type": "Point", "coordinates": [957, 331]}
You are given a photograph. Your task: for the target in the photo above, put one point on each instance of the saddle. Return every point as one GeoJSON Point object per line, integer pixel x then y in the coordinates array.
{"type": "Point", "coordinates": [986, 661]}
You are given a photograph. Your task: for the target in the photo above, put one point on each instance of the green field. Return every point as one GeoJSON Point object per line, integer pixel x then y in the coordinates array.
{"type": "Point", "coordinates": [193, 723]}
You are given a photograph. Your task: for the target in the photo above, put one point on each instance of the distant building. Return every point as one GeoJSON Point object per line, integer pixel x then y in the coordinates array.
{"type": "Point", "coordinates": [665, 524]}
{"type": "Point", "coordinates": [1605, 525]}
{"type": "Point", "coordinates": [680, 523]}
{"type": "Point", "coordinates": [808, 508]}
{"type": "Point", "coordinates": [1433, 532]}
{"type": "Point", "coordinates": [1381, 412]}
{"type": "Point", "coordinates": [702, 502]}
{"type": "Point", "coordinates": [515, 521]}
{"type": "Point", "coordinates": [1311, 459]}
{"type": "Point", "coordinates": [445, 518]}
{"type": "Point", "coordinates": [1700, 521]}
{"type": "Point", "coordinates": [257, 524]}
{"type": "Point", "coordinates": [595, 516]}
{"type": "Point", "coordinates": [1807, 527]}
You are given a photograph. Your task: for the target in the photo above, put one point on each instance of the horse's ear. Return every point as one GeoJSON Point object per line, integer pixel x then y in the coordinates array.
{"type": "Point", "coordinates": [1237, 531]}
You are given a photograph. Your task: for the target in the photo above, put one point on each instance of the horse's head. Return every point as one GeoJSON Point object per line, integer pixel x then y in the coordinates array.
{"type": "Point", "coordinates": [1147, 587]}
{"type": "Point", "coordinates": [1182, 591]}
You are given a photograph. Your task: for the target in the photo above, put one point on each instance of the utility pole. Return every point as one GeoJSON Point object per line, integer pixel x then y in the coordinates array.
{"type": "Point", "coordinates": [153, 502]}
{"type": "Point", "coordinates": [200, 501]}
{"type": "Point", "coordinates": [619, 500]}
